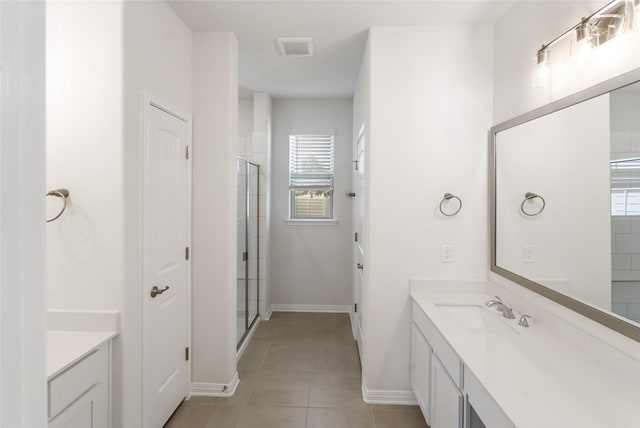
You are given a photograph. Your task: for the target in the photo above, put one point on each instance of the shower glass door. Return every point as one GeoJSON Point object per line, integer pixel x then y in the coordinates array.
{"type": "Point", "coordinates": [248, 253]}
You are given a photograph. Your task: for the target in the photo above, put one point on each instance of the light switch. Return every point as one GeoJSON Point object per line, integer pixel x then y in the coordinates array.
{"type": "Point", "coordinates": [447, 256]}
{"type": "Point", "coordinates": [529, 254]}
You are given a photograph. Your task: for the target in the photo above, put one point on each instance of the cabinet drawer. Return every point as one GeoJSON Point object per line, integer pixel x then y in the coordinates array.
{"type": "Point", "coordinates": [440, 346]}
{"type": "Point", "coordinates": [71, 384]}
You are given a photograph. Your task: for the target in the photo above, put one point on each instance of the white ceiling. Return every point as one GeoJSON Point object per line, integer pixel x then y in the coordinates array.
{"type": "Point", "coordinates": [338, 29]}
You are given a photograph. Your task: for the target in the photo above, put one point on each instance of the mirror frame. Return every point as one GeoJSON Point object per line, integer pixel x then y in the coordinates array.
{"type": "Point", "coordinates": [607, 319]}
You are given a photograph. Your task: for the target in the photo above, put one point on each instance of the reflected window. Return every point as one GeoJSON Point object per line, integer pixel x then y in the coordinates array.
{"type": "Point", "coordinates": [625, 187]}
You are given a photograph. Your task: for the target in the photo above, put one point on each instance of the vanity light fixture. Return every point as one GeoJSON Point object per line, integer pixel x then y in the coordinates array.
{"type": "Point", "coordinates": [612, 20]}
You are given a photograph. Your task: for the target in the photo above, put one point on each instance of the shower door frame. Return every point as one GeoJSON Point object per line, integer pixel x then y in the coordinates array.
{"type": "Point", "coordinates": [247, 220]}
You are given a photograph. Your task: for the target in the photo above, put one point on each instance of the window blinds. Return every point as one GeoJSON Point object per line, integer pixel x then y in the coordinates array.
{"type": "Point", "coordinates": [311, 161]}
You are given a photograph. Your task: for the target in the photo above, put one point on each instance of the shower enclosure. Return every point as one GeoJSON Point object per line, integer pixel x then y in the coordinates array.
{"type": "Point", "coordinates": [248, 232]}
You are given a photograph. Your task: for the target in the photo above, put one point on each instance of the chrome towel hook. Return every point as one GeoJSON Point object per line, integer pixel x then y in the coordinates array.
{"type": "Point", "coordinates": [59, 193]}
{"type": "Point", "coordinates": [530, 196]}
{"type": "Point", "coordinates": [447, 197]}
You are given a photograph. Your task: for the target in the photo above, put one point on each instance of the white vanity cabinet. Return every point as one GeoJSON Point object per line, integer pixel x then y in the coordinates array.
{"type": "Point", "coordinates": [78, 396]}
{"type": "Point", "coordinates": [436, 375]}
{"type": "Point", "coordinates": [421, 370]}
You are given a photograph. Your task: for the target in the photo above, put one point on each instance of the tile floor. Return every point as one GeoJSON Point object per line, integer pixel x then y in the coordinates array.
{"type": "Point", "coordinates": [300, 370]}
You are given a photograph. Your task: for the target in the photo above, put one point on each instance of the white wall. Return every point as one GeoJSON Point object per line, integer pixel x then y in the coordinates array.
{"type": "Point", "coordinates": [245, 117]}
{"type": "Point", "coordinates": [521, 32]}
{"type": "Point", "coordinates": [311, 264]}
{"type": "Point", "coordinates": [429, 110]}
{"type": "Point", "coordinates": [85, 154]}
{"type": "Point", "coordinates": [245, 125]}
{"type": "Point", "coordinates": [214, 269]}
{"type": "Point", "coordinates": [101, 56]}
{"type": "Point", "coordinates": [22, 206]}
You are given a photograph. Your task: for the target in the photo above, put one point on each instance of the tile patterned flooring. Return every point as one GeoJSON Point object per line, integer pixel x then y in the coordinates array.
{"type": "Point", "coordinates": [301, 370]}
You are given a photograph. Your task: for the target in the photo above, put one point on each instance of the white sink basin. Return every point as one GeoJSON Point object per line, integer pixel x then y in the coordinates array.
{"type": "Point", "coordinates": [477, 318]}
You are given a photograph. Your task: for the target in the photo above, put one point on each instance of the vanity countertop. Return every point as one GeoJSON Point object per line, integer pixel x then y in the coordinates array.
{"type": "Point", "coordinates": [537, 379]}
{"type": "Point", "coordinates": [64, 348]}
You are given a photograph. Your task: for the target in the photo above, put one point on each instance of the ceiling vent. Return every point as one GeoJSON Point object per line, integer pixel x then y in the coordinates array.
{"type": "Point", "coordinates": [295, 46]}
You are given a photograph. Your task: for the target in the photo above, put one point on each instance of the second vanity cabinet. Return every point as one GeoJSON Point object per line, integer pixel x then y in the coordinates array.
{"type": "Point", "coordinates": [78, 396]}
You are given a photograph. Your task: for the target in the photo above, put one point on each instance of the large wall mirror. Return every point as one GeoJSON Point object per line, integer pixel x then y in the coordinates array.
{"type": "Point", "coordinates": [565, 193]}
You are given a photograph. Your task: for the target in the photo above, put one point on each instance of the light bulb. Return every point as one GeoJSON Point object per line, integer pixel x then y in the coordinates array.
{"type": "Point", "coordinates": [541, 71]}
{"type": "Point", "coordinates": [584, 43]}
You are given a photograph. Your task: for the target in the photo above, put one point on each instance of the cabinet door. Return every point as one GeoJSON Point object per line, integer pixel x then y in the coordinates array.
{"type": "Point", "coordinates": [87, 412]}
{"type": "Point", "coordinates": [447, 400]}
{"type": "Point", "coordinates": [421, 370]}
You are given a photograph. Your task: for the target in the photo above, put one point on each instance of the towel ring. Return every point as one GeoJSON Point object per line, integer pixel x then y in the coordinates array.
{"type": "Point", "coordinates": [59, 193]}
{"type": "Point", "coordinates": [447, 197]}
{"type": "Point", "coordinates": [528, 197]}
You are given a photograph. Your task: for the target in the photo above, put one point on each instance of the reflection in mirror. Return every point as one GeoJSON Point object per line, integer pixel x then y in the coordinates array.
{"type": "Point", "coordinates": [584, 163]}
{"type": "Point", "coordinates": [625, 202]}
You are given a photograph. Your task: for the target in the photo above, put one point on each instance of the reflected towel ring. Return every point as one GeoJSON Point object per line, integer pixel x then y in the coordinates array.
{"type": "Point", "coordinates": [447, 197]}
{"type": "Point", "coordinates": [59, 193]}
{"type": "Point", "coordinates": [528, 197]}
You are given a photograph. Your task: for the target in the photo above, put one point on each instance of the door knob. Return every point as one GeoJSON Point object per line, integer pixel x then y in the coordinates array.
{"type": "Point", "coordinates": [155, 290]}
{"type": "Point", "coordinates": [360, 266]}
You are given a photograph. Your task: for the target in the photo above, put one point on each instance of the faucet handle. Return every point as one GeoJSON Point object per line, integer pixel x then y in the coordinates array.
{"type": "Point", "coordinates": [523, 320]}
{"type": "Point", "coordinates": [492, 302]}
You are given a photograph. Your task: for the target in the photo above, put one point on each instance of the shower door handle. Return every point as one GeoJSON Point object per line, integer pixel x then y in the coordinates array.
{"type": "Point", "coordinates": [155, 290]}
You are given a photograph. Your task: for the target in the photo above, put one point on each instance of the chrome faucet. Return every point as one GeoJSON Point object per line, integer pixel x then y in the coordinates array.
{"type": "Point", "coordinates": [506, 311]}
{"type": "Point", "coordinates": [523, 320]}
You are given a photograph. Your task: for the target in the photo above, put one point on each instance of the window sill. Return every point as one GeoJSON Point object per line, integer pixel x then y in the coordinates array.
{"type": "Point", "coordinates": [312, 222]}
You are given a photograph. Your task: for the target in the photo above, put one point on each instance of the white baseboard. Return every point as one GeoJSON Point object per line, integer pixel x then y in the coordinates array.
{"type": "Point", "coordinates": [267, 314]}
{"type": "Point", "coordinates": [203, 389]}
{"type": "Point", "coordinates": [406, 398]}
{"type": "Point", "coordinates": [310, 308]}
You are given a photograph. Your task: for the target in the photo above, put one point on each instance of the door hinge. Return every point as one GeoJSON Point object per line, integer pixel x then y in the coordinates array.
{"type": "Point", "coordinates": [350, 194]}
{"type": "Point", "coordinates": [186, 253]}
{"type": "Point", "coordinates": [355, 236]}
{"type": "Point", "coordinates": [186, 353]}
{"type": "Point", "coordinates": [187, 152]}
{"type": "Point", "coordinates": [355, 307]}
{"type": "Point", "coordinates": [355, 164]}
{"type": "Point", "coordinates": [245, 256]}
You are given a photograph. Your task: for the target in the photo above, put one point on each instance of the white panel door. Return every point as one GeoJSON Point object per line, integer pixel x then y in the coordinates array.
{"type": "Point", "coordinates": [167, 268]}
{"type": "Point", "coordinates": [358, 225]}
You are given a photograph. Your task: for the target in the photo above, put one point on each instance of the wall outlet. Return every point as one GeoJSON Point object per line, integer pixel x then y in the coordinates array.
{"type": "Point", "coordinates": [447, 256]}
{"type": "Point", "coordinates": [529, 254]}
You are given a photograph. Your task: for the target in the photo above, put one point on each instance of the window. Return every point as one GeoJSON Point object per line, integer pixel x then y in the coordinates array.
{"type": "Point", "coordinates": [625, 187]}
{"type": "Point", "coordinates": [311, 175]}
